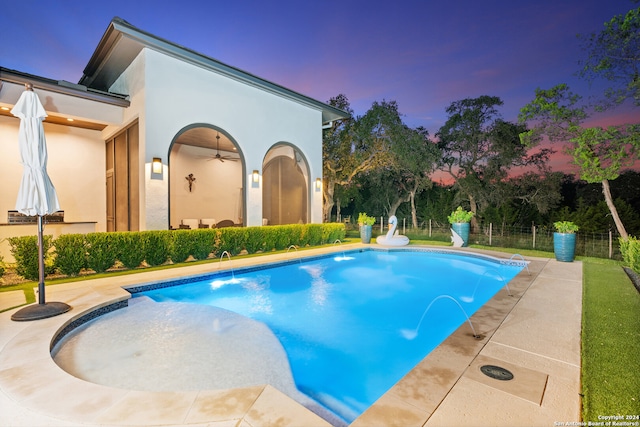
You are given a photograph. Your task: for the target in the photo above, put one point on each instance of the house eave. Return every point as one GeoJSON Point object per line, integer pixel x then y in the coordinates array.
{"type": "Point", "coordinates": [63, 87]}
{"type": "Point", "coordinates": [122, 42]}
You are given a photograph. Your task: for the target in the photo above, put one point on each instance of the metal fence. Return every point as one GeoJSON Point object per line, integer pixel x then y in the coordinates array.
{"type": "Point", "coordinates": [599, 245]}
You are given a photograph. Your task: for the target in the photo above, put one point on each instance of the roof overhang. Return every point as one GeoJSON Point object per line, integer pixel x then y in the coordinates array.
{"type": "Point", "coordinates": [88, 108]}
{"type": "Point", "coordinates": [122, 42]}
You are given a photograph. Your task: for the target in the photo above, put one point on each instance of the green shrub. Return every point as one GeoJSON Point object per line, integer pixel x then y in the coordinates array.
{"type": "Point", "coordinates": [282, 236]}
{"type": "Point", "coordinates": [102, 251]}
{"type": "Point", "coordinates": [313, 234]}
{"type": "Point", "coordinates": [460, 216]}
{"type": "Point", "coordinates": [130, 248]}
{"type": "Point", "coordinates": [70, 253]}
{"type": "Point", "coordinates": [333, 231]}
{"type": "Point", "coordinates": [565, 227]}
{"type": "Point", "coordinates": [203, 242]}
{"type": "Point", "coordinates": [157, 246]}
{"type": "Point", "coordinates": [2, 266]}
{"type": "Point", "coordinates": [301, 238]}
{"type": "Point", "coordinates": [364, 219]}
{"type": "Point", "coordinates": [254, 239]}
{"type": "Point", "coordinates": [25, 251]}
{"type": "Point", "coordinates": [270, 236]}
{"type": "Point", "coordinates": [180, 245]}
{"type": "Point", "coordinates": [297, 235]}
{"type": "Point", "coordinates": [232, 240]}
{"type": "Point", "coordinates": [630, 250]}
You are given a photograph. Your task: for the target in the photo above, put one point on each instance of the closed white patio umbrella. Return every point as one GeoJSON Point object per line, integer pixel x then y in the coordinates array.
{"type": "Point", "coordinates": [37, 195]}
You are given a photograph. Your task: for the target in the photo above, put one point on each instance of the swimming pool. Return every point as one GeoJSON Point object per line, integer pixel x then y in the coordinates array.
{"type": "Point", "coordinates": [353, 325]}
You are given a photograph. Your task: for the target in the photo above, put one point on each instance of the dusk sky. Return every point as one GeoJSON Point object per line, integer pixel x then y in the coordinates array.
{"type": "Point", "coordinates": [422, 54]}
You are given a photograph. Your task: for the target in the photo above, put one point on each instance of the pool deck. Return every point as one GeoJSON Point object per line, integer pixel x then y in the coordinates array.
{"type": "Point", "coordinates": [534, 333]}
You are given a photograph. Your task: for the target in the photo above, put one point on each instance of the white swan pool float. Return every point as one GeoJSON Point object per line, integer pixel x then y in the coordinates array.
{"type": "Point", "coordinates": [392, 238]}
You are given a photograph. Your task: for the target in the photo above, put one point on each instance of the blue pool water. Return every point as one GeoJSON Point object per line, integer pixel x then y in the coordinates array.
{"type": "Point", "coordinates": [355, 324]}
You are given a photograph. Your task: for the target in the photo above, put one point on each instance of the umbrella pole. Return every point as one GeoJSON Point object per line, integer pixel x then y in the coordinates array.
{"type": "Point", "coordinates": [41, 297]}
{"type": "Point", "coordinates": [41, 310]}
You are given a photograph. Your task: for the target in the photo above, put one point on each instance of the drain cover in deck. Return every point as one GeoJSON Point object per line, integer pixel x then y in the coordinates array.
{"type": "Point", "coordinates": [518, 381]}
{"type": "Point", "coordinates": [496, 372]}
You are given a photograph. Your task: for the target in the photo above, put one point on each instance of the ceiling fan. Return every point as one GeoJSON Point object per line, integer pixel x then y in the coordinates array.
{"type": "Point", "coordinates": [220, 157]}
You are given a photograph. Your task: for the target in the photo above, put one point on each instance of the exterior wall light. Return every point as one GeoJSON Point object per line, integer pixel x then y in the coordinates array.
{"type": "Point", "coordinates": [318, 184]}
{"type": "Point", "coordinates": [156, 165]}
{"type": "Point", "coordinates": [256, 176]}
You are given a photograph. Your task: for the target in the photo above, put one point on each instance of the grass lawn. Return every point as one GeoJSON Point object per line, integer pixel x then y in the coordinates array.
{"type": "Point", "coordinates": [610, 343]}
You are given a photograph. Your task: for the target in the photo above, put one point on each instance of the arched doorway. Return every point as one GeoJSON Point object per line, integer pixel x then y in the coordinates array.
{"type": "Point", "coordinates": [206, 170]}
{"type": "Point", "coordinates": [285, 191]}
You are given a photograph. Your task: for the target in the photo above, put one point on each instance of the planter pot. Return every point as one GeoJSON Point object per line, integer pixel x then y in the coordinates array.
{"type": "Point", "coordinates": [564, 246]}
{"type": "Point", "coordinates": [462, 228]}
{"type": "Point", "coordinates": [365, 233]}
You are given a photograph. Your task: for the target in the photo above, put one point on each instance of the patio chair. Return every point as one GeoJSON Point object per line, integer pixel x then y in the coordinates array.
{"type": "Point", "coordinates": [191, 223]}
{"type": "Point", "coordinates": [208, 223]}
{"type": "Point", "coordinates": [225, 223]}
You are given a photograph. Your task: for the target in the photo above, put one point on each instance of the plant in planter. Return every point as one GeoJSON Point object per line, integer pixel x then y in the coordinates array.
{"type": "Point", "coordinates": [565, 227]}
{"type": "Point", "coordinates": [366, 227]}
{"type": "Point", "coordinates": [564, 240]}
{"type": "Point", "coordinates": [460, 227]}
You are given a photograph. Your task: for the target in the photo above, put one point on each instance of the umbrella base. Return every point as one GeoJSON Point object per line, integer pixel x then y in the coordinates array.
{"type": "Point", "coordinates": [40, 311]}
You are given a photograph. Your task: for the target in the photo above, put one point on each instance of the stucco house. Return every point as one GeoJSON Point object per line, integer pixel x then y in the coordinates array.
{"type": "Point", "coordinates": [155, 135]}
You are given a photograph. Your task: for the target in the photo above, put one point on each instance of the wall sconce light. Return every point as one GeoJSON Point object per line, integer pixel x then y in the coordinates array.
{"type": "Point", "coordinates": [318, 183]}
{"type": "Point", "coordinates": [256, 176]}
{"type": "Point", "coordinates": [156, 165]}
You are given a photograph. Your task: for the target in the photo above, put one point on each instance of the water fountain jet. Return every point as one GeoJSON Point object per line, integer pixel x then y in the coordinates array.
{"type": "Point", "coordinates": [526, 263]}
{"type": "Point", "coordinates": [410, 334]}
{"type": "Point", "coordinates": [469, 299]}
{"type": "Point", "coordinates": [229, 258]}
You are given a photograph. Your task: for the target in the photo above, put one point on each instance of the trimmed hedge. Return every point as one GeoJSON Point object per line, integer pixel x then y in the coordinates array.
{"type": "Point", "coordinates": [204, 242]}
{"type": "Point", "coordinates": [232, 240]}
{"type": "Point", "coordinates": [313, 235]}
{"type": "Point", "coordinates": [25, 251]}
{"type": "Point", "coordinates": [101, 251]}
{"type": "Point", "coordinates": [254, 239]}
{"type": "Point", "coordinates": [129, 248]}
{"type": "Point", "coordinates": [180, 248]}
{"type": "Point", "coordinates": [71, 254]}
{"type": "Point", "coordinates": [157, 246]}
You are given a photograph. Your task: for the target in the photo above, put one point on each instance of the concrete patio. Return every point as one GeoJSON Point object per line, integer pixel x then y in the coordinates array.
{"type": "Point", "coordinates": [534, 333]}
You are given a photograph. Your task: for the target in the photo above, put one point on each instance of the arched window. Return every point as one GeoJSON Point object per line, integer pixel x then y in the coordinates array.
{"type": "Point", "coordinates": [285, 190]}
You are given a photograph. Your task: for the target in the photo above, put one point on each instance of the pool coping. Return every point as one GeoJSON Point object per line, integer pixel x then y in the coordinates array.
{"type": "Point", "coordinates": [516, 329]}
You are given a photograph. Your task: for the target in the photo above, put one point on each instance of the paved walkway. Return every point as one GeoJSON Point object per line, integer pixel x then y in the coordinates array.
{"type": "Point", "coordinates": [534, 333]}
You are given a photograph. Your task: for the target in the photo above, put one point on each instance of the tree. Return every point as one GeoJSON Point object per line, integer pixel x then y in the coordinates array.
{"type": "Point", "coordinates": [479, 148]}
{"type": "Point", "coordinates": [593, 217]}
{"type": "Point", "coordinates": [411, 159]}
{"type": "Point", "coordinates": [342, 197]}
{"type": "Point", "coordinates": [338, 163]}
{"type": "Point", "coordinates": [527, 197]}
{"type": "Point", "coordinates": [600, 153]}
{"type": "Point", "coordinates": [382, 127]}
{"type": "Point", "coordinates": [614, 53]}
{"type": "Point", "coordinates": [353, 146]}
{"type": "Point", "coordinates": [436, 203]}
{"type": "Point", "coordinates": [415, 158]}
